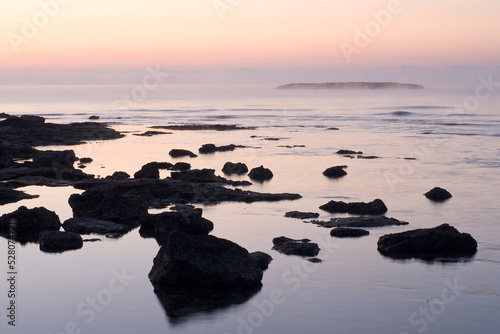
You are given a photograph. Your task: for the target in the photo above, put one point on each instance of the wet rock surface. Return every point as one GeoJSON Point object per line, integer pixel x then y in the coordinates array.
{"type": "Point", "coordinates": [295, 247]}
{"type": "Point", "coordinates": [375, 207]}
{"type": "Point", "coordinates": [57, 241]}
{"type": "Point", "coordinates": [430, 243]}
{"type": "Point", "coordinates": [369, 221]}
{"type": "Point", "coordinates": [346, 232]}
{"type": "Point", "coordinates": [438, 194]}
{"type": "Point", "coordinates": [204, 261]}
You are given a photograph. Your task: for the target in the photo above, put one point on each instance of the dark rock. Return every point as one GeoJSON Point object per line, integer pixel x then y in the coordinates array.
{"type": "Point", "coordinates": [26, 224]}
{"type": "Point", "coordinates": [92, 240]}
{"type": "Point", "coordinates": [110, 206]}
{"type": "Point", "coordinates": [86, 160]}
{"type": "Point", "coordinates": [93, 117]}
{"type": "Point", "coordinates": [369, 157]}
{"type": "Point", "coordinates": [375, 207]}
{"type": "Point", "coordinates": [204, 127]}
{"type": "Point", "coordinates": [301, 215]}
{"type": "Point", "coordinates": [4, 115]}
{"type": "Point", "coordinates": [12, 196]}
{"type": "Point", "coordinates": [428, 243]}
{"type": "Point", "coordinates": [201, 261]}
{"type": "Point", "coordinates": [23, 121]}
{"type": "Point", "coordinates": [315, 260]}
{"type": "Point", "coordinates": [333, 128]}
{"type": "Point", "coordinates": [342, 152]}
{"type": "Point", "coordinates": [375, 221]}
{"type": "Point", "coordinates": [295, 247]}
{"type": "Point", "coordinates": [205, 176]}
{"type": "Point", "coordinates": [438, 194]}
{"type": "Point", "coordinates": [260, 174]}
{"type": "Point", "coordinates": [182, 166]}
{"type": "Point", "coordinates": [90, 225]}
{"type": "Point", "coordinates": [178, 153]}
{"type": "Point", "coordinates": [152, 133]}
{"type": "Point", "coordinates": [47, 176]}
{"type": "Point", "coordinates": [56, 241]}
{"type": "Point", "coordinates": [262, 259]}
{"type": "Point", "coordinates": [235, 168]}
{"type": "Point", "coordinates": [55, 159]}
{"type": "Point", "coordinates": [335, 172]}
{"type": "Point", "coordinates": [211, 148]}
{"type": "Point", "coordinates": [164, 165]}
{"type": "Point", "coordinates": [119, 176]}
{"type": "Point", "coordinates": [345, 232]}
{"type": "Point", "coordinates": [115, 235]}
{"type": "Point", "coordinates": [189, 221]}
{"type": "Point", "coordinates": [291, 146]}
{"type": "Point", "coordinates": [148, 171]}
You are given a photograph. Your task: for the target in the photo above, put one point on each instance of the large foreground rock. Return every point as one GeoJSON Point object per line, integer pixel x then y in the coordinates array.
{"type": "Point", "coordinates": [90, 225]}
{"type": "Point", "coordinates": [204, 261]}
{"type": "Point", "coordinates": [375, 207]}
{"type": "Point", "coordinates": [26, 224]}
{"type": "Point", "coordinates": [57, 241]}
{"type": "Point", "coordinates": [295, 247]}
{"type": "Point", "coordinates": [364, 221]}
{"type": "Point", "coordinates": [428, 243]}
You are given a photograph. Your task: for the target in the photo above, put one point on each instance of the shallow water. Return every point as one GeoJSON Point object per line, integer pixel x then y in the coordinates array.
{"type": "Point", "coordinates": [354, 289]}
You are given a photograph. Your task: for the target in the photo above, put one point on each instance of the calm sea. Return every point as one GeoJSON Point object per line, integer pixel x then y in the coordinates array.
{"type": "Point", "coordinates": [453, 138]}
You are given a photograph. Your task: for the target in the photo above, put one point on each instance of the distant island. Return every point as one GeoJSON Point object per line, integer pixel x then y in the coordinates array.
{"type": "Point", "coordinates": [351, 85]}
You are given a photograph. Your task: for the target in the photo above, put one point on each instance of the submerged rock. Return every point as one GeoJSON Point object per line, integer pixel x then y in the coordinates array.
{"type": "Point", "coordinates": [56, 241]}
{"type": "Point", "coordinates": [204, 261]}
{"type": "Point", "coordinates": [152, 133]}
{"type": "Point", "coordinates": [374, 221]}
{"type": "Point", "coordinates": [91, 225]}
{"type": "Point", "coordinates": [438, 194]}
{"type": "Point", "coordinates": [429, 243]}
{"type": "Point", "coordinates": [335, 172]}
{"type": "Point", "coordinates": [301, 215]}
{"type": "Point", "coordinates": [260, 174]}
{"type": "Point", "coordinates": [295, 247]}
{"type": "Point", "coordinates": [148, 171]}
{"type": "Point", "coordinates": [235, 168]}
{"type": "Point", "coordinates": [211, 148]}
{"type": "Point", "coordinates": [348, 152]}
{"type": "Point", "coordinates": [345, 232]}
{"type": "Point", "coordinates": [178, 153]}
{"type": "Point", "coordinates": [375, 207]}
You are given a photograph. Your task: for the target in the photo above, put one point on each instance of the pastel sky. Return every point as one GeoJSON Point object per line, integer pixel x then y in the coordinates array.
{"type": "Point", "coordinates": [248, 33]}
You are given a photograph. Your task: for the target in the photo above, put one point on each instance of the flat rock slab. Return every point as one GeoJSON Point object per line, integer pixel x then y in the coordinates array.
{"type": "Point", "coordinates": [90, 225]}
{"type": "Point", "coordinates": [429, 243]}
{"type": "Point", "coordinates": [11, 196]}
{"type": "Point", "coordinates": [57, 241]}
{"type": "Point", "coordinates": [346, 232]}
{"type": "Point", "coordinates": [295, 247]}
{"type": "Point", "coordinates": [204, 261]}
{"type": "Point", "coordinates": [369, 221]}
{"type": "Point", "coordinates": [301, 215]}
{"type": "Point", "coordinates": [375, 207]}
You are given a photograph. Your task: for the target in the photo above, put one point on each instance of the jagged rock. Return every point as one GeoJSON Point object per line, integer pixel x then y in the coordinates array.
{"type": "Point", "coordinates": [375, 207]}
{"type": "Point", "coordinates": [262, 259]}
{"type": "Point", "coordinates": [335, 172]}
{"type": "Point", "coordinates": [204, 261]}
{"type": "Point", "coordinates": [348, 152]}
{"type": "Point", "coordinates": [260, 174]}
{"type": "Point", "coordinates": [211, 148]}
{"type": "Point", "coordinates": [148, 171]}
{"type": "Point", "coordinates": [90, 225]}
{"type": "Point", "coordinates": [301, 215]}
{"type": "Point", "coordinates": [12, 196]}
{"type": "Point", "coordinates": [26, 224]}
{"type": "Point", "coordinates": [429, 243]}
{"type": "Point", "coordinates": [57, 241]}
{"type": "Point", "coordinates": [345, 232]}
{"type": "Point", "coordinates": [375, 221]}
{"type": "Point", "coordinates": [55, 159]}
{"type": "Point", "coordinates": [295, 247]}
{"type": "Point", "coordinates": [182, 166]}
{"type": "Point", "coordinates": [235, 168]}
{"type": "Point", "coordinates": [438, 194]}
{"type": "Point", "coordinates": [178, 153]}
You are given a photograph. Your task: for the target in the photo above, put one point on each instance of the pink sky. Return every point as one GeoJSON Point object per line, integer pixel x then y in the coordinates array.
{"type": "Point", "coordinates": [257, 33]}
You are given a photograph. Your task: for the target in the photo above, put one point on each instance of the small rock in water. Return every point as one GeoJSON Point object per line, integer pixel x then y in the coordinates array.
{"type": "Point", "coordinates": [295, 247]}
{"type": "Point", "coordinates": [178, 153]}
{"type": "Point", "coordinates": [260, 174]}
{"type": "Point", "coordinates": [301, 215]}
{"type": "Point", "coordinates": [345, 232]}
{"type": "Point", "coordinates": [335, 172]}
{"type": "Point", "coordinates": [148, 171]}
{"type": "Point", "coordinates": [438, 194]}
{"type": "Point", "coordinates": [234, 168]}
{"type": "Point", "coordinates": [57, 241]}
{"type": "Point", "coordinates": [86, 160]}
{"type": "Point", "coordinates": [315, 260]}
{"type": "Point", "coordinates": [94, 117]}
{"type": "Point", "coordinates": [375, 207]}
{"type": "Point", "coordinates": [182, 166]}
{"type": "Point", "coordinates": [342, 152]}
{"type": "Point", "coordinates": [262, 259]}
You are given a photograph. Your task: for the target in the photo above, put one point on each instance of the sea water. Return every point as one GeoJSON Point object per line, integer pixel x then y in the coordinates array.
{"type": "Point", "coordinates": [423, 138]}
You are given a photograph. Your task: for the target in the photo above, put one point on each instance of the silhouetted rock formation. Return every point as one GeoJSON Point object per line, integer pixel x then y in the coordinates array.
{"type": "Point", "coordinates": [295, 247]}
{"type": "Point", "coordinates": [57, 241]}
{"type": "Point", "coordinates": [438, 194]}
{"type": "Point", "coordinates": [345, 232]}
{"type": "Point", "coordinates": [375, 207]}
